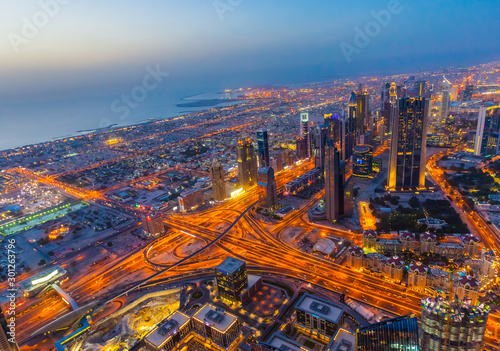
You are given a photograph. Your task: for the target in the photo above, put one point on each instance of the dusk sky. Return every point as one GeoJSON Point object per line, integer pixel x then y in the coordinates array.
{"type": "Point", "coordinates": [95, 50]}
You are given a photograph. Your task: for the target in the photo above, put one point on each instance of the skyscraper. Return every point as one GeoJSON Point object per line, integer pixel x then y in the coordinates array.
{"type": "Point", "coordinates": [393, 93]}
{"type": "Point", "coordinates": [232, 280]}
{"type": "Point", "coordinates": [305, 132]}
{"type": "Point", "coordinates": [320, 145]}
{"type": "Point", "coordinates": [385, 94]}
{"type": "Point", "coordinates": [153, 225]}
{"type": "Point", "coordinates": [448, 325]}
{"type": "Point", "coordinates": [419, 88]}
{"type": "Point", "coordinates": [267, 187]}
{"type": "Point", "coordinates": [218, 183]}
{"type": "Point", "coordinates": [263, 142]}
{"type": "Point", "coordinates": [349, 132]}
{"type": "Point", "coordinates": [7, 342]}
{"type": "Point", "coordinates": [445, 98]}
{"type": "Point", "coordinates": [363, 118]}
{"type": "Point", "coordinates": [400, 333]}
{"type": "Point", "coordinates": [247, 164]}
{"type": "Point", "coordinates": [468, 91]}
{"type": "Point", "coordinates": [488, 127]}
{"type": "Point", "coordinates": [334, 183]}
{"type": "Point", "coordinates": [408, 147]}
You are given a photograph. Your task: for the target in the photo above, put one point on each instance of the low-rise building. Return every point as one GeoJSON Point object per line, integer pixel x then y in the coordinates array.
{"type": "Point", "coordinates": [355, 258]}
{"type": "Point", "coordinates": [409, 240]}
{"type": "Point", "coordinates": [217, 325]}
{"type": "Point", "coordinates": [432, 223]}
{"type": "Point", "coordinates": [417, 276]}
{"type": "Point", "coordinates": [450, 250]}
{"type": "Point", "coordinates": [389, 246]}
{"type": "Point", "coordinates": [393, 268]}
{"type": "Point", "coordinates": [166, 335]}
{"type": "Point", "coordinates": [369, 239]}
{"type": "Point", "coordinates": [467, 288]}
{"type": "Point", "coordinates": [471, 244]}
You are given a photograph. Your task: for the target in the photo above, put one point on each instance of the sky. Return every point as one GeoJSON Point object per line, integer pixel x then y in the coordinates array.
{"type": "Point", "coordinates": [80, 54]}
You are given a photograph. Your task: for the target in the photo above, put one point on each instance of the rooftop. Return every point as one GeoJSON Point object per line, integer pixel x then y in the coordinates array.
{"type": "Point", "coordinates": [216, 317]}
{"type": "Point", "coordinates": [166, 328]}
{"type": "Point", "coordinates": [283, 343]}
{"type": "Point", "coordinates": [230, 265]}
{"type": "Point", "coordinates": [320, 308]}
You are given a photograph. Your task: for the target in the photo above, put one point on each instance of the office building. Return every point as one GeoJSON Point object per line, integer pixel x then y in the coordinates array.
{"type": "Point", "coordinates": [190, 199]}
{"type": "Point", "coordinates": [348, 127]}
{"type": "Point", "coordinates": [153, 225]}
{"type": "Point", "coordinates": [267, 188]}
{"type": "Point", "coordinates": [362, 164]}
{"type": "Point", "coordinates": [169, 333]}
{"type": "Point", "coordinates": [468, 92]}
{"type": "Point", "coordinates": [408, 146]}
{"type": "Point", "coordinates": [232, 280]}
{"type": "Point", "coordinates": [385, 94]}
{"type": "Point", "coordinates": [488, 125]}
{"type": "Point", "coordinates": [217, 325]}
{"type": "Point", "coordinates": [322, 136]}
{"type": "Point", "coordinates": [7, 339]}
{"type": "Point", "coordinates": [300, 149]}
{"type": "Point", "coordinates": [318, 318]}
{"type": "Point", "coordinates": [334, 184]}
{"type": "Point", "coordinates": [445, 98]}
{"type": "Point", "coordinates": [247, 164]}
{"type": "Point", "coordinates": [397, 334]}
{"type": "Point", "coordinates": [334, 126]}
{"type": "Point", "coordinates": [263, 143]}
{"type": "Point", "coordinates": [419, 88]}
{"type": "Point", "coordinates": [218, 183]}
{"type": "Point", "coordinates": [452, 325]}
{"type": "Point", "coordinates": [363, 117]}
{"type": "Point", "coordinates": [305, 132]}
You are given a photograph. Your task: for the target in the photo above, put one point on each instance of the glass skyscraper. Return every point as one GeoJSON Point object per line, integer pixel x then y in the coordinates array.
{"type": "Point", "coordinates": [263, 142]}
{"type": "Point", "coordinates": [400, 333]}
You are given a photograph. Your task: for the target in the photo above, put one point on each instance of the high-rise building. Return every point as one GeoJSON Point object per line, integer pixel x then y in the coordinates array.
{"type": "Point", "coordinates": [385, 94]}
{"type": "Point", "coordinates": [267, 187]}
{"type": "Point", "coordinates": [468, 91]}
{"type": "Point", "coordinates": [397, 334]}
{"type": "Point", "coordinates": [362, 164]}
{"type": "Point", "coordinates": [349, 132]}
{"type": "Point", "coordinates": [419, 88]}
{"type": "Point", "coordinates": [448, 325]}
{"type": "Point", "coordinates": [218, 326]}
{"type": "Point", "coordinates": [305, 132]}
{"type": "Point", "coordinates": [263, 142]}
{"type": "Point", "coordinates": [488, 127]}
{"type": "Point", "coordinates": [300, 149]}
{"type": "Point", "coordinates": [232, 280]}
{"type": "Point", "coordinates": [334, 125]}
{"type": "Point", "coordinates": [408, 146]}
{"type": "Point", "coordinates": [363, 118]}
{"type": "Point", "coordinates": [218, 183]}
{"type": "Point", "coordinates": [445, 98]}
{"type": "Point", "coordinates": [153, 225]}
{"type": "Point", "coordinates": [393, 93]}
{"type": "Point", "coordinates": [7, 341]}
{"type": "Point", "coordinates": [320, 145]}
{"type": "Point", "coordinates": [247, 164]}
{"type": "Point", "coordinates": [334, 184]}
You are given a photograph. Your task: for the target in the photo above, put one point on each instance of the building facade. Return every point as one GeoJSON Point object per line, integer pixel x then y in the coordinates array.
{"type": "Point", "coordinates": [232, 280]}
{"type": "Point", "coordinates": [267, 188]}
{"type": "Point", "coordinates": [218, 182]}
{"type": "Point", "coordinates": [263, 146]}
{"type": "Point", "coordinates": [247, 164]}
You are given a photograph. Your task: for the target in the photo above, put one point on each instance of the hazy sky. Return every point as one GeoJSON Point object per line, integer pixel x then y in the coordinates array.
{"type": "Point", "coordinates": [90, 49]}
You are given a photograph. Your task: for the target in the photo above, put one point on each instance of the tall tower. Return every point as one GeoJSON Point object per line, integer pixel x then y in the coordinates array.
{"type": "Point", "coordinates": [247, 164]}
{"type": "Point", "coordinates": [267, 188]}
{"type": "Point", "coordinates": [364, 122]}
{"type": "Point", "coordinates": [408, 147]}
{"type": "Point", "coordinates": [320, 145]}
{"type": "Point", "coordinates": [7, 342]}
{"type": "Point", "coordinates": [393, 93]}
{"type": "Point", "coordinates": [488, 129]}
{"type": "Point", "coordinates": [263, 143]}
{"type": "Point", "coordinates": [445, 99]}
{"type": "Point", "coordinates": [349, 132]}
{"type": "Point", "coordinates": [334, 184]}
{"type": "Point", "coordinates": [419, 88]}
{"type": "Point", "coordinates": [218, 183]}
{"type": "Point", "coordinates": [305, 132]}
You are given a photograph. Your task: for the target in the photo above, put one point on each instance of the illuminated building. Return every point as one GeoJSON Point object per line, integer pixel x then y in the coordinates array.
{"type": "Point", "coordinates": [363, 118]}
{"type": "Point", "coordinates": [471, 141]}
{"type": "Point", "coordinates": [488, 124]}
{"type": "Point", "coordinates": [232, 280]}
{"type": "Point", "coordinates": [471, 245]}
{"type": "Point", "coordinates": [428, 242]}
{"type": "Point", "coordinates": [355, 258]}
{"type": "Point", "coordinates": [217, 325]}
{"type": "Point", "coordinates": [320, 145]}
{"type": "Point", "coordinates": [452, 325]}
{"type": "Point", "coordinates": [369, 239]}
{"type": "Point", "coordinates": [34, 285]}
{"type": "Point", "coordinates": [385, 94]}
{"type": "Point", "coordinates": [333, 124]}
{"type": "Point", "coordinates": [393, 268]}
{"type": "Point", "coordinates": [417, 276]}
{"type": "Point", "coordinates": [218, 183]}
{"type": "Point", "coordinates": [408, 147]}
{"type": "Point", "coordinates": [445, 98]}
{"type": "Point", "coordinates": [247, 164]}
{"type": "Point", "coordinates": [362, 164]}
{"type": "Point", "coordinates": [190, 199]}
{"type": "Point", "coordinates": [263, 144]}
{"type": "Point", "coordinates": [397, 334]}
{"type": "Point", "coordinates": [409, 240]}
{"type": "Point", "coordinates": [278, 342]}
{"type": "Point", "coordinates": [419, 88]}
{"type": "Point", "coordinates": [153, 225]}
{"type": "Point", "coordinates": [349, 133]}
{"type": "Point", "coordinates": [305, 133]}
{"type": "Point", "coordinates": [7, 342]}
{"type": "Point", "coordinates": [318, 318]}
{"type": "Point", "coordinates": [334, 184]}
{"type": "Point", "coordinates": [468, 92]}
{"type": "Point", "coordinates": [301, 149]}
{"type": "Point", "coordinates": [169, 333]}
{"type": "Point", "coordinates": [276, 162]}
{"type": "Point", "coordinates": [267, 188]}
{"type": "Point", "coordinates": [393, 93]}
{"type": "Point", "coordinates": [377, 164]}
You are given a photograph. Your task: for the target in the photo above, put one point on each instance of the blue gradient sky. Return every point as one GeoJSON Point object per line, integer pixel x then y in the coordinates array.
{"type": "Point", "coordinates": [93, 49]}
